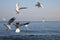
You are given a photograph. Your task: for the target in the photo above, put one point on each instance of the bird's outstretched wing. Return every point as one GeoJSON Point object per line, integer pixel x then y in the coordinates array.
{"type": "Point", "coordinates": [23, 8]}
{"type": "Point", "coordinates": [11, 20]}
{"type": "Point", "coordinates": [24, 24]}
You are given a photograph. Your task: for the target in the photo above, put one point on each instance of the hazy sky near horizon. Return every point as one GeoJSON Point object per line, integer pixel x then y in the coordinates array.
{"type": "Point", "coordinates": [51, 10]}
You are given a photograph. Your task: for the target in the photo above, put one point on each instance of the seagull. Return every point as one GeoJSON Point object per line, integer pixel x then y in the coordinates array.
{"type": "Point", "coordinates": [18, 8]}
{"type": "Point", "coordinates": [8, 25]}
{"type": "Point", "coordinates": [17, 25]}
{"type": "Point", "coordinates": [39, 5]}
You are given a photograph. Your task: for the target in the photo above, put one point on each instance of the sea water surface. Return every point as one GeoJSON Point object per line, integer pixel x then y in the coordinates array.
{"type": "Point", "coordinates": [36, 30]}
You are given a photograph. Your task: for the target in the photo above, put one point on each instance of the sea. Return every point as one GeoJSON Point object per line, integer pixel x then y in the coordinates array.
{"type": "Point", "coordinates": [36, 30]}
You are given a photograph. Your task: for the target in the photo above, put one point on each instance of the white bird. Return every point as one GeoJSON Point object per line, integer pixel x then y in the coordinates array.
{"type": "Point", "coordinates": [18, 8]}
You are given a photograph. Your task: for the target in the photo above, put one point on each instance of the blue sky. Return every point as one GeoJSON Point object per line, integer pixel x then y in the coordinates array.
{"type": "Point", "coordinates": [51, 10]}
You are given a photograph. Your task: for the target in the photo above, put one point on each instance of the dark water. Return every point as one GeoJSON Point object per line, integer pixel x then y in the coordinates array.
{"type": "Point", "coordinates": [37, 30]}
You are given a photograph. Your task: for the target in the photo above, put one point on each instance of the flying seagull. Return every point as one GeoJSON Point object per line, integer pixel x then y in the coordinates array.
{"type": "Point", "coordinates": [39, 5]}
{"type": "Point", "coordinates": [17, 25]}
{"type": "Point", "coordinates": [18, 8]}
{"type": "Point", "coordinates": [8, 25]}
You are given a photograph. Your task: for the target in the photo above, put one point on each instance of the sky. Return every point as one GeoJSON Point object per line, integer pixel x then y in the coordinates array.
{"type": "Point", "coordinates": [50, 12]}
